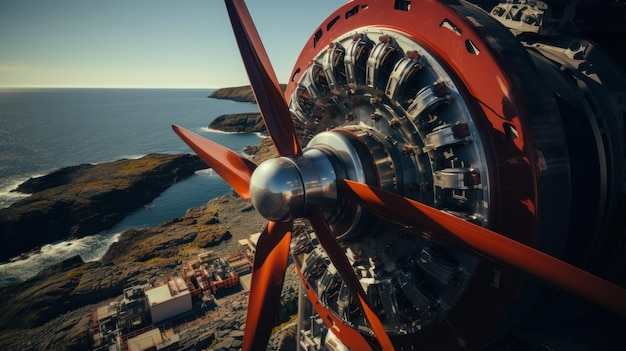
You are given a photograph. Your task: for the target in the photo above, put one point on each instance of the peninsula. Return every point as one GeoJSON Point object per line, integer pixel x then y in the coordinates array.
{"type": "Point", "coordinates": [239, 94]}
{"type": "Point", "coordinates": [82, 200]}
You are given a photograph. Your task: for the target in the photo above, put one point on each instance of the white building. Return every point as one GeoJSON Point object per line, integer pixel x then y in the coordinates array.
{"type": "Point", "coordinates": [251, 243]}
{"type": "Point", "coordinates": [146, 341]}
{"type": "Point", "coordinates": [169, 300]}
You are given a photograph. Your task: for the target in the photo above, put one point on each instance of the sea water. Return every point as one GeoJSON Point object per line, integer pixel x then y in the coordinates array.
{"type": "Point", "coordinates": [42, 130]}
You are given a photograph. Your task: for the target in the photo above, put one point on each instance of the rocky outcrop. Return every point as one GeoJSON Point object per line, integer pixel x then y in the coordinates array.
{"type": "Point", "coordinates": [86, 199]}
{"type": "Point", "coordinates": [54, 309]}
{"type": "Point", "coordinates": [247, 123]}
{"type": "Point", "coordinates": [264, 151]}
{"type": "Point", "coordinates": [239, 123]}
{"type": "Point", "coordinates": [239, 94]}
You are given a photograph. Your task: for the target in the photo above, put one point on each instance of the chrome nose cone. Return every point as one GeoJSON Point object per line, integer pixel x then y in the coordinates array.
{"type": "Point", "coordinates": [277, 190]}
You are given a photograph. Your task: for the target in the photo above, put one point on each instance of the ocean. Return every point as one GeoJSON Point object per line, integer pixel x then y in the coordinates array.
{"type": "Point", "coordinates": [42, 130]}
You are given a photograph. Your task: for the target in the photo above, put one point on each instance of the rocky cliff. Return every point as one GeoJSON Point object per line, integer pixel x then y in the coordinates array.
{"type": "Point", "coordinates": [239, 94]}
{"type": "Point", "coordinates": [86, 199]}
{"type": "Point", "coordinates": [239, 123]}
{"type": "Point", "coordinates": [247, 123]}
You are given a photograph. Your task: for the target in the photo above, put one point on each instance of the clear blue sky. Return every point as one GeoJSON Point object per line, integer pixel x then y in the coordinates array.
{"type": "Point", "coordinates": [145, 43]}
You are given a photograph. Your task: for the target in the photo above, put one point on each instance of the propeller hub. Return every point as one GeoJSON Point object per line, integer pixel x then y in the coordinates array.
{"type": "Point", "coordinates": [282, 189]}
{"type": "Point", "coordinates": [277, 189]}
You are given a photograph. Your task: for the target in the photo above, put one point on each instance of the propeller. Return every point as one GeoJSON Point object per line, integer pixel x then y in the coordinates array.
{"type": "Point", "coordinates": [263, 81]}
{"type": "Point", "coordinates": [228, 164]}
{"type": "Point", "coordinates": [268, 275]}
{"type": "Point", "coordinates": [272, 251]}
{"type": "Point", "coordinates": [273, 246]}
{"type": "Point", "coordinates": [496, 247]}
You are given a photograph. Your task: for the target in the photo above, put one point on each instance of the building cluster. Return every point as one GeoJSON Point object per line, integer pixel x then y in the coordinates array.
{"type": "Point", "coordinates": [213, 273]}
{"type": "Point", "coordinates": [132, 323]}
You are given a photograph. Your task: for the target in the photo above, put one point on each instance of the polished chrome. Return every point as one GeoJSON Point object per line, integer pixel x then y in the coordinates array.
{"type": "Point", "coordinates": [315, 81]}
{"type": "Point", "coordinates": [453, 178]}
{"type": "Point", "coordinates": [442, 136]}
{"type": "Point", "coordinates": [320, 179]}
{"type": "Point", "coordinates": [282, 189]}
{"type": "Point", "coordinates": [379, 63]}
{"type": "Point", "coordinates": [356, 155]}
{"type": "Point", "coordinates": [334, 67]}
{"type": "Point", "coordinates": [426, 100]}
{"type": "Point", "coordinates": [344, 149]}
{"type": "Point", "coordinates": [402, 72]}
{"type": "Point", "coordinates": [277, 190]}
{"type": "Point", "coordinates": [356, 55]}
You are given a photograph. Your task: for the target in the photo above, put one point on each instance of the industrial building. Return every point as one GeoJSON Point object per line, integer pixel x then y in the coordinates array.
{"type": "Point", "coordinates": [129, 324]}
{"type": "Point", "coordinates": [114, 322]}
{"type": "Point", "coordinates": [133, 311]}
{"type": "Point", "coordinates": [169, 299]}
{"type": "Point", "coordinates": [152, 339]}
{"type": "Point", "coordinates": [211, 273]}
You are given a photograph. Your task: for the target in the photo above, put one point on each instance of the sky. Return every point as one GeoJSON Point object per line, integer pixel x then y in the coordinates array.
{"type": "Point", "coordinates": [145, 43]}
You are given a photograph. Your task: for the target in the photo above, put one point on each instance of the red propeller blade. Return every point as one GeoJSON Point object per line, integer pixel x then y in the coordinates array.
{"type": "Point", "coordinates": [489, 244]}
{"type": "Point", "coordinates": [268, 275]}
{"type": "Point", "coordinates": [232, 167]}
{"type": "Point", "coordinates": [265, 87]}
{"type": "Point", "coordinates": [347, 273]}
{"type": "Point", "coordinates": [349, 336]}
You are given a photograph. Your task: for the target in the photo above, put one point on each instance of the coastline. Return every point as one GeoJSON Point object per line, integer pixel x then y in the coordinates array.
{"type": "Point", "coordinates": [78, 201]}
{"type": "Point", "coordinates": [10, 189]}
{"type": "Point", "coordinates": [223, 124]}
{"type": "Point", "coordinates": [68, 291]}
{"type": "Point", "coordinates": [217, 131]}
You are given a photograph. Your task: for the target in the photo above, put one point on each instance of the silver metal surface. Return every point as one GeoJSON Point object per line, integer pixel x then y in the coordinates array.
{"type": "Point", "coordinates": [282, 189]}
{"type": "Point", "coordinates": [277, 190]}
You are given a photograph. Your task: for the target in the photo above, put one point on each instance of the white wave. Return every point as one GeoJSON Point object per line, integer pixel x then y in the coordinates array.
{"type": "Point", "coordinates": [216, 131]}
{"type": "Point", "coordinates": [130, 157]}
{"type": "Point", "coordinates": [6, 200]}
{"type": "Point", "coordinates": [211, 130]}
{"type": "Point", "coordinates": [7, 186]}
{"type": "Point", "coordinates": [207, 171]}
{"type": "Point", "coordinates": [121, 157]}
{"type": "Point", "coordinates": [89, 248]}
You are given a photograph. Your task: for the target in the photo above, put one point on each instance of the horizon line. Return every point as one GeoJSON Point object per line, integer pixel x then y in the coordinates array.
{"type": "Point", "coordinates": [98, 87]}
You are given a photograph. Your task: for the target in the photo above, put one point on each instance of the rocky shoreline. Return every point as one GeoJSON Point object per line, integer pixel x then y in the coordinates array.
{"type": "Point", "coordinates": [239, 94]}
{"type": "Point", "coordinates": [239, 123]}
{"type": "Point", "coordinates": [87, 199]}
{"type": "Point", "coordinates": [54, 309]}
